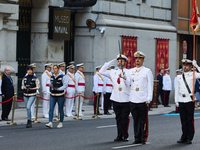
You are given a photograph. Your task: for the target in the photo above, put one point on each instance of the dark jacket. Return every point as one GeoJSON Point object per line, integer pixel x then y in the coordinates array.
{"type": "Point", "coordinates": [56, 83]}
{"type": "Point", "coordinates": [7, 87]}
{"type": "Point", "coordinates": [160, 79]}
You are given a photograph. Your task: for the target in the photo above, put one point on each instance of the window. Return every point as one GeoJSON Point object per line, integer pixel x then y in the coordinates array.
{"type": "Point", "coordinates": [143, 1]}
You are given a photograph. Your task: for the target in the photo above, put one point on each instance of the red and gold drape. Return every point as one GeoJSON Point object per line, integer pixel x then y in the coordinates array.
{"type": "Point", "coordinates": [129, 47]}
{"type": "Point", "coordinates": [162, 54]}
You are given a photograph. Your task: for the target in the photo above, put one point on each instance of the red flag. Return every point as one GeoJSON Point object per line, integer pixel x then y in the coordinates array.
{"type": "Point", "coordinates": [194, 22]}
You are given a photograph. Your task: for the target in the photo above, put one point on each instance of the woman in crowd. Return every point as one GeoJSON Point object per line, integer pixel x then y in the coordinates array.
{"type": "Point", "coordinates": [30, 83]}
{"type": "Point", "coordinates": [57, 88]}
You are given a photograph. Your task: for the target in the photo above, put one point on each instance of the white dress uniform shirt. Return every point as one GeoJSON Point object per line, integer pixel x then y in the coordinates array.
{"type": "Point", "coordinates": [46, 81]}
{"type": "Point", "coordinates": [181, 92]}
{"type": "Point", "coordinates": [0, 82]}
{"type": "Point", "coordinates": [108, 86]}
{"type": "Point", "coordinates": [80, 81]}
{"type": "Point", "coordinates": [98, 83]}
{"type": "Point", "coordinates": [167, 83]}
{"type": "Point", "coordinates": [141, 81]}
{"type": "Point", "coordinates": [70, 83]}
{"type": "Point", "coordinates": [62, 72]}
{"type": "Point", "coordinates": [120, 93]}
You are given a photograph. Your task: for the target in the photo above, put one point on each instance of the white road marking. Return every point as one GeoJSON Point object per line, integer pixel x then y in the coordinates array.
{"type": "Point", "coordinates": [131, 145]}
{"type": "Point", "coordinates": [109, 126]}
{"type": "Point", "coordinates": [1, 136]}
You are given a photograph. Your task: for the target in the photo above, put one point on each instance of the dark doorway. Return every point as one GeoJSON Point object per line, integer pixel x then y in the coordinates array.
{"type": "Point", "coordinates": [23, 40]}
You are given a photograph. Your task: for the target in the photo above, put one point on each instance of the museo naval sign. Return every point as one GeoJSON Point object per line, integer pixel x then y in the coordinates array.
{"type": "Point", "coordinates": [59, 24]}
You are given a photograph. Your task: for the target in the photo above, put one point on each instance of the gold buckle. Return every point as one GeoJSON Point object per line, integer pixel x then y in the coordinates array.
{"type": "Point", "coordinates": [137, 89]}
{"type": "Point", "coordinates": [184, 95]}
{"type": "Point", "coordinates": [120, 89]}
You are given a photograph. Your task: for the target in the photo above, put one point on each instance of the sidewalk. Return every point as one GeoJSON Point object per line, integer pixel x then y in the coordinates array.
{"type": "Point", "coordinates": [20, 116]}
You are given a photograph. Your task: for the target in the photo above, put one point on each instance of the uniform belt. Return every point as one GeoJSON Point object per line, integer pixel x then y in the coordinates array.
{"type": "Point", "coordinates": [47, 84]}
{"type": "Point", "coordinates": [121, 88]}
{"type": "Point", "coordinates": [138, 89]}
{"type": "Point", "coordinates": [81, 84]}
{"type": "Point", "coordinates": [70, 85]}
{"type": "Point", "coordinates": [109, 85]}
{"type": "Point", "coordinates": [100, 84]}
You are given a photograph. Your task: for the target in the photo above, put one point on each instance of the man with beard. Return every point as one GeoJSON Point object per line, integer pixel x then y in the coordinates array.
{"type": "Point", "coordinates": [184, 100]}
{"type": "Point", "coordinates": [119, 96]}
{"type": "Point", "coordinates": [141, 80]}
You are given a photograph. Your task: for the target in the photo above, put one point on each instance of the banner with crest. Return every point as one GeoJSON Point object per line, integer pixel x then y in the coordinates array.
{"type": "Point", "coordinates": [162, 54]}
{"type": "Point", "coordinates": [129, 47]}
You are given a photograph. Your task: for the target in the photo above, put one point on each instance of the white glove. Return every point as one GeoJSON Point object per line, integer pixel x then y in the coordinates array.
{"type": "Point", "coordinates": [195, 63]}
{"type": "Point", "coordinates": [177, 104]}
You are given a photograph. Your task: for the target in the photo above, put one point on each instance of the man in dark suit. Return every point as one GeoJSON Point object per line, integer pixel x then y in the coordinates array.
{"type": "Point", "coordinates": [7, 89]}
{"type": "Point", "coordinates": [160, 91]}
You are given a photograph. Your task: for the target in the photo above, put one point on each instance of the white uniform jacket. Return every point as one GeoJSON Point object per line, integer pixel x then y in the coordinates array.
{"type": "Point", "coordinates": [108, 86]}
{"type": "Point", "coordinates": [141, 82]}
{"type": "Point", "coordinates": [69, 83]}
{"type": "Point", "coordinates": [80, 81]}
{"type": "Point", "coordinates": [181, 92]}
{"type": "Point", "coordinates": [62, 72]}
{"type": "Point", "coordinates": [46, 81]}
{"type": "Point", "coordinates": [120, 93]}
{"type": "Point", "coordinates": [167, 83]}
{"type": "Point", "coordinates": [98, 82]}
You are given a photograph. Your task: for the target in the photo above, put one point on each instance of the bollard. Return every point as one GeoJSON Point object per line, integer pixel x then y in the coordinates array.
{"type": "Point", "coordinates": [58, 119]}
{"type": "Point", "coordinates": [13, 111]}
{"type": "Point", "coordinates": [37, 101]}
{"type": "Point", "coordinates": [77, 118]}
{"type": "Point", "coordinates": [96, 117]}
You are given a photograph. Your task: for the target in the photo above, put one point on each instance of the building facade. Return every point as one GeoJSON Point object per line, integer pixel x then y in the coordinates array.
{"type": "Point", "coordinates": [24, 34]}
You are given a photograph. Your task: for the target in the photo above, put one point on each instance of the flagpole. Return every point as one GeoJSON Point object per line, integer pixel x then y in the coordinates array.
{"type": "Point", "coordinates": [193, 65]}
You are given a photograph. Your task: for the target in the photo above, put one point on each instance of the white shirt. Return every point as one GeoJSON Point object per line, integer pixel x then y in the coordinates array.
{"type": "Point", "coordinates": [46, 81]}
{"type": "Point", "coordinates": [181, 87]}
{"type": "Point", "coordinates": [167, 83]}
{"type": "Point", "coordinates": [108, 86]}
{"type": "Point", "coordinates": [98, 82]}
{"type": "Point", "coordinates": [0, 82]}
{"type": "Point", "coordinates": [80, 81]}
{"type": "Point", "coordinates": [62, 72]}
{"type": "Point", "coordinates": [69, 82]}
{"type": "Point", "coordinates": [141, 81]}
{"type": "Point", "coordinates": [120, 93]}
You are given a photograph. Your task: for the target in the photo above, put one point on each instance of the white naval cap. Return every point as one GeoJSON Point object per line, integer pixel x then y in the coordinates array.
{"type": "Point", "coordinates": [33, 65]}
{"type": "Point", "coordinates": [61, 64]}
{"type": "Point", "coordinates": [139, 54]}
{"type": "Point", "coordinates": [80, 65]}
{"type": "Point", "coordinates": [97, 67]}
{"type": "Point", "coordinates": [122, 57]}
{"type": "Point", "coordinates": [48, 65]}
{"type": "Point", "coordinates": [179, 71]}
{"type": "Point", "coordinates": [71, 62]}
{"type": "Point", "coordinates": [71, 66]}
{"type": "Point", "coordinates": [186, 61]}
{"type": "Point", "coordinates": [168, 69]}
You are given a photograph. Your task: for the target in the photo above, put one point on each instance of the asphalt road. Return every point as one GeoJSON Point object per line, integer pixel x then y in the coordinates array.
{"type": "Point", "coordinates": [96, 134]}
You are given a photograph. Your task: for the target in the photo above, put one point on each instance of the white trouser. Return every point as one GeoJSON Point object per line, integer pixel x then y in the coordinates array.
{"type": "Point", "coordinates": [69, 104]}
{"type": "Point", "coordinates": [102, 100]}
{"type": "Point", "coordinates": [33, 109]}
{"type": "Point", "coordinates": [81, 103]}
{"type": "Point", "coordinates": [46, 105]}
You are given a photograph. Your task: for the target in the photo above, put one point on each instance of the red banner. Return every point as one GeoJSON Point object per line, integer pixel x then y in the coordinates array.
{"type": "Point", "coordinates": [194, 22]}
{"type": "Point", "coordinates": [162, 54]}
{"type": "Point", "coordinates": [129, 47]}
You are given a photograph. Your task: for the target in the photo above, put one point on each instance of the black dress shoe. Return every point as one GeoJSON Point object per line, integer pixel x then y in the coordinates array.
{"type": "Point", "coordinates": [136, 142]}
{"type": "Point", "coordinates": [181, 141]}
{"type": "Point", "coordinates": [6, 119]}
{"type": "Point", "coordinates": [125, 139]}
{"type": "Point", "coordinates": [167, 106]}
{"type": "Point", "coordinates": [189, 142]}
{"type": "Point", "coordinates": [107, 113]}
{"type": "Point", "coordinates": [99, 114]}
{"type": "Point", "coordinates": [118, 139]}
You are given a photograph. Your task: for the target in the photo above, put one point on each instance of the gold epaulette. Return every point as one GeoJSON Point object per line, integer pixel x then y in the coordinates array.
{"type": "Point", "coordinates": [1, 74]}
